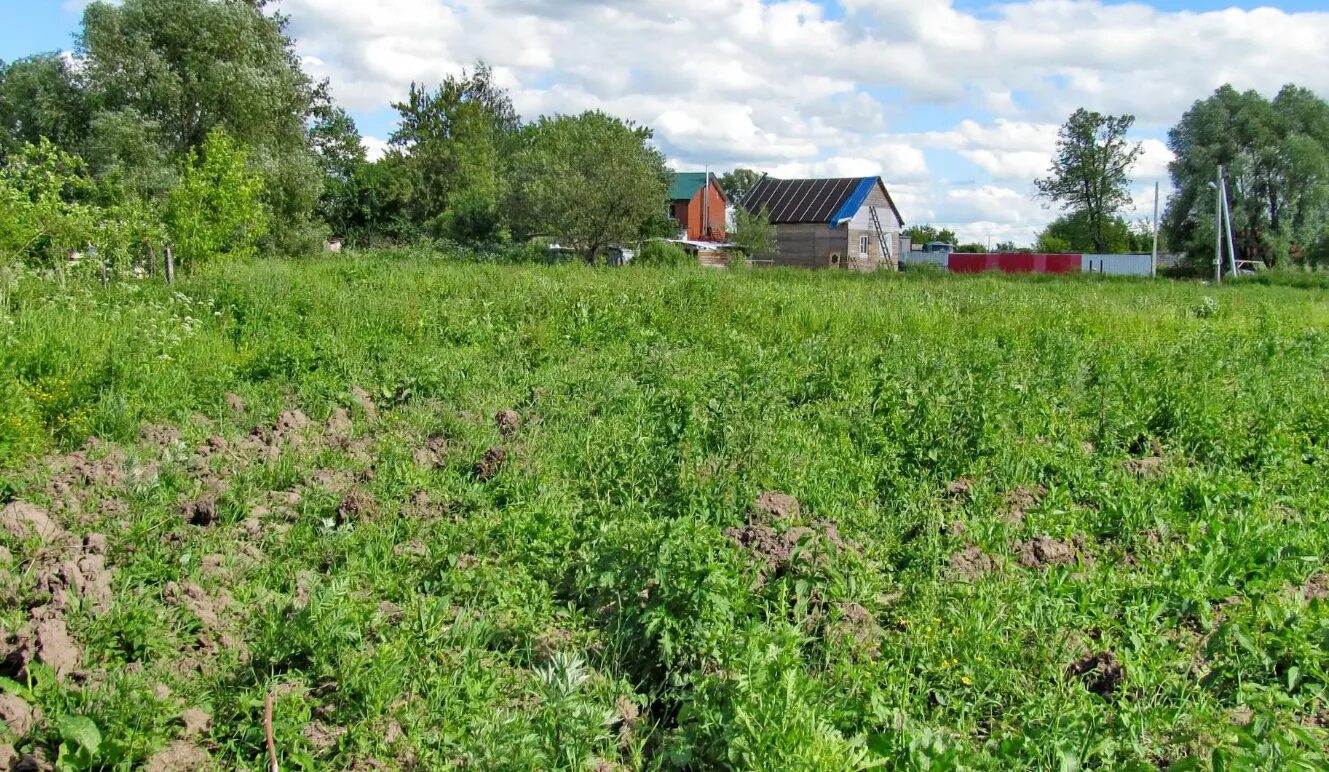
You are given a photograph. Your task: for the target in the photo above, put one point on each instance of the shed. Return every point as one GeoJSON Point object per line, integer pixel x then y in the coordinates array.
{"type": "Point", "coordinates": [846, 222]}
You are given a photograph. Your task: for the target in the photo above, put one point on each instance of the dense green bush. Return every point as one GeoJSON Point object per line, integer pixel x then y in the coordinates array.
{"type": "Point", "coordinates": [662, 253]}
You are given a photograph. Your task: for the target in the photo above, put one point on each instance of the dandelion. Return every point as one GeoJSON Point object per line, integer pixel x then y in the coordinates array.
{"type": "Point", "coordinates": [967, 681]}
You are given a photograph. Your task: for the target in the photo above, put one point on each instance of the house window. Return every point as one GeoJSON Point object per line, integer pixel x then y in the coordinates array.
{"type": "Point", "coordinates": [862, 245]}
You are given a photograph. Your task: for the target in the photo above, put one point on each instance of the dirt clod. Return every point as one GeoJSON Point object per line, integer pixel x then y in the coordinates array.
{"type": "Point", "coordinates": [971, 564]}
{"type": "Point", "coordinates": [22, 520]}
{"type": "Point", "coordinates": [290, 423]}
{"type": "Point", "coordinates": [159, 435]}
{"type": "Point", "coordinates": [356, 505]}
{"type": "Point", "coordinates": [488, 467]}
{"type": "Point", "coordinates": [1147, 468]}
{"type": "Point", "coordinates": [83, 573]}
{"type": "Point", "coordinates": [179, 756]}
{"type": "Point", "coordinates": [322, 736]}
{"type": "Point", "coordinates": [1102, 673]}
{"type": "Point", "coordinates": [508, 421]}
{"type": "Point", "coordinates": [202, 513]}
{"type": "Point", "coordinates": [54, 647]}
{"type": "Point", "coordinates": [961, 490]}
{"type": "Point", "coordinates": [195, 722]}
{"type": "Point", "coordinates": [1316, 588]}
{"type": "Point", "coordinates": [339, 423]}
{"type": "Point", "coordinates": [778, 506]}
{"type": "Point", "coordinates": [18, 715]}
{"type": "Point", "coordinates": [1020, 500]}
{"type": "Point", "coordinates": [858, 627]}
{"type": "Point", "coordinates": [235, 403]}
{"type": "Point", "coordinates": [1045, 551]}
{"type": "Point", "coordinates": [212, 446]}
{"type": "Point", "coordinates": [433, 454]}
{"type": "Point", "coordinates": [362, 399]}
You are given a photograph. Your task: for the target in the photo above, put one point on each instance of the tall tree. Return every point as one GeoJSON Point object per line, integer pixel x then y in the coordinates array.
{"type": "Point", "coordinates": [1089, 174]}
{"type": "Point", "coordinates": [453, 142]}
{"type": "Point", "coordinates": [590, 181]}
{"type": "Point", "coordinates": [1275, 154]}
{"type": "Point", "coordinates": [41, 98]}
{"type": "Point", "coordinates": [926, 234]}
{"type": "Point", "coordinates": [166, 73]}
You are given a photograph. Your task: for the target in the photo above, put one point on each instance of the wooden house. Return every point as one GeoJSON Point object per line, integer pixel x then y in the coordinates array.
{"type": "Point", "coordinates": [698, 206]}
{"type": "Point", "coordinates": [847, 223]}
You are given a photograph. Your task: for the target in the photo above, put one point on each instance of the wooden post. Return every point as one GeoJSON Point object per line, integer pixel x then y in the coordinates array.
{"type": "Point", "coordinates": [170, 267]}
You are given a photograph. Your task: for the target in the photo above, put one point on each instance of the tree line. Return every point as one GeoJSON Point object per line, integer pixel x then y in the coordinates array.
{"type": "Point", "coordinates": [190, 125]}
{"type": "Point", "coordinates": [1275, 156]}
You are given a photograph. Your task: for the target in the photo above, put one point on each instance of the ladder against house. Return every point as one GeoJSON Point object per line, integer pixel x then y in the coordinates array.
{"type": "Point", "coordinates": [882, 238]}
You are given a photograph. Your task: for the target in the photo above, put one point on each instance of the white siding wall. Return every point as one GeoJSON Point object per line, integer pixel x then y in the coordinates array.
{"type": "Point", "coordinates": [1118, 265]}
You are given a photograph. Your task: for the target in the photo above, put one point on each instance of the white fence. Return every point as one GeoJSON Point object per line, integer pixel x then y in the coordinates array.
{"type": "Point", "coordinates": [1118, 265]}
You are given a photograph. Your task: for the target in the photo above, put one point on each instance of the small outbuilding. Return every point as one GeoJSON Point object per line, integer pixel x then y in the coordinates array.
{"type": "Point", "coordinates": [698, 206]}
{"type": "Point", "coordinates": [848, 222]}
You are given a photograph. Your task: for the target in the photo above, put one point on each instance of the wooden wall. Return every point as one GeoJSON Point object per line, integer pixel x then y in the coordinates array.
{"type": "Point", "coordinates": [806, 246]}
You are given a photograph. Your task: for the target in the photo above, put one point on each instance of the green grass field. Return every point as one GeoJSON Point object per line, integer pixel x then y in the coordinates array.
{"type": "Point", "coordinates": [1025, 523]}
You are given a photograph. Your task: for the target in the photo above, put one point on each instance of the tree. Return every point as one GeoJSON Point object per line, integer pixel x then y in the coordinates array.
{"type": "Point", "coordinates": [1074, 233]}
{"type": "Point", "coordinates": [926, 234]}
{"type": "Point", "coordinates": [1088, 175]}
{"type": "Point", "coordinates": [41, 98]}
{"type": "Point", "coordinates": [1275, 155]}
{"type": "Point", "coordinates": [738, 183]}
{"type": "Point", "coordinates": [217, 209]}
{"type": "Point", "coordinates": [972, 248]}
{"type": "Point", "coordinates": [590, 181]}
{"type": "Point", "coordinates": [164, 74]}
{"type": "Point", "coordinates": [452, 143]}
{"type": "Point", "coordinates": [753, 232]}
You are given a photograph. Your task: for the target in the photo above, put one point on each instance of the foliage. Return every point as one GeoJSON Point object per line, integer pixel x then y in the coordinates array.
{"type": "Point", "coordinates": [589, 181]}
{"type": "Point", "coordinates": [753, 232]}
{"type": "Point", "coordinates": [41, 98]}
{"type": "Point", "coordinates": [1075, 233]}
{"type": "Point", "coordinates": [217, 211]}
{"type": "Point", "coordinates": [738, 183]}
{"type": "Point", "coordinates": [658, 252]}
{"type": "Point", "coordinates": [1088, 176]}
{"type": "Point", "coordinates": [926, 234]}
{"type": "Point", "coordinates": [44, 206]}
{"type": "Point", "coordinates": [972, 247]}
{"type": "Point", "coordinates": [584, 604]}
{"type": "Point", "coordinates": [1275, 154]}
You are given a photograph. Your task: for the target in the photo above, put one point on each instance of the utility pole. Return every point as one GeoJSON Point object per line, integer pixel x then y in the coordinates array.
{"type": "Point", "coordinates": [1218, 227]}
{"type": "Point", "coordinates": [1153, 266]}
{"type": "Point", "coordinates": [1231, 246]}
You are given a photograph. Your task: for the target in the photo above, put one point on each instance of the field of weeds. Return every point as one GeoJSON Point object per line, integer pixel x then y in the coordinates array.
{"type": "Point", "coordinates": [557, 518]}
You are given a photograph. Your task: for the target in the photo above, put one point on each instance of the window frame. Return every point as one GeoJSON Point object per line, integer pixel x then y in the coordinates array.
{"type": "Point", "coordinates": [864, 245]}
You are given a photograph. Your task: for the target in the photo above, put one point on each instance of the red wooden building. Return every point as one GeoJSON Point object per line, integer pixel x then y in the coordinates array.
{"type": "Point", "coordinates": [698, 205]}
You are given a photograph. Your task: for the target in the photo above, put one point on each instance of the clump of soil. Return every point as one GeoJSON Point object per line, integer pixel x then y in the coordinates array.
{"type": "Point", "coordinates": [1045, 551]}
{"type": "Point", "coordinates": [362, 400]}
{"type": "Point", "coordinates": [971, 564]}
{"type": "Point", "coordinates": [357, 505]}
{"type": "Point", "coordinates": [1146, 468]}
{"type": "Point", "coordinates": [159, 435]}
{"type": "Point", "coordinates": [489, 466]}
{"type": "Point", "coordinates": [780, 506]}
{"type": "Point", "coordinates": [18, 715]}
{"type": "Point", "coordinates": [773, 538]}
{"type": "Point", "coordinates": [1102, 673]}
{"type": "Point", "coordinates": [235, 403]}
{"type": "Point", "coordinates": [290, 423]}
{"type": "Point", "coordinates": [322, 736]}
{"type": "Point", "coordinates": [196, 599]}
{"type": "Point", "coordinates": [509, 422]}
{"type": "Point", "coordinates": [179, 756]}
{"type": "Point", "coordinates": [79, 470]}
{"type": "Point", "coordinates": [1316, 588]}
{"type": "Point", "coordinates": [202, 513]}
{"type": "Point", "coordinates": [433, 454]}
{"type": "Point", "coordinates": [195, 722]}
{"type": "Point", "coordinates": [82, 573]}
{"type": "Point", "coordinates": [339, 423]}
{"type": "Point", "coordinates": [1020, 500]}
{"type": "Point", "coordinates": [212, 446]}
{"type": "Point", "coordinates": [960, 491]}
{"type": "Point", "coordinates": [22, 520]}
{"type": "Point", "coordinates": [44, 639]}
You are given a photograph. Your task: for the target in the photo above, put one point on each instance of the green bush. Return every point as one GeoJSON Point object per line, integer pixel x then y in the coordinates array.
{"type": "Point", "coordinates": [662, 253]}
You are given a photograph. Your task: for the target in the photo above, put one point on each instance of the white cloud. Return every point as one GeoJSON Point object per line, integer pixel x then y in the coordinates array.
{"type": "Point", "coordinates": [781, 86]}
{"type": "Point", "coordinates": [375, 148]}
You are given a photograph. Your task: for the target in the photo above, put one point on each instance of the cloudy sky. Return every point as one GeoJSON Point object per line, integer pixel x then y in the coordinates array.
{"type": "Point", "coordinates": [955, 103]}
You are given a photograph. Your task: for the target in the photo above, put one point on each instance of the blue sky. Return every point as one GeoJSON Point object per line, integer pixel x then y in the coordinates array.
{"type": "Point", "coordinates": [955, 103]}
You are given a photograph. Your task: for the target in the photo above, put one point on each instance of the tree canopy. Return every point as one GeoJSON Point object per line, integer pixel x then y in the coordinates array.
{"type": "Point", "coordinates": [1089, 173]}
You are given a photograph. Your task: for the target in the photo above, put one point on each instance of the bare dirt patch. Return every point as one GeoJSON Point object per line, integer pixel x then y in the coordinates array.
{"type": "Point", "coordinates": [362, 400]}
{"type": "Point", "coordinates": [322, 736]}
{"type": "Point", "coordinates": [1150, 467]}
{"type": "Point", "coordinates": [202, 513]}
{"type": "Point", "coordinates": [960, 491]}
{"type": "Point", "coordinates": [433, 454]}
{"type": "Point", "coordinates": [18, 715]}
{"type": "Point", "coordinates": [339, 423]}
{"type": "Point", "coordinates": [22, 520]}
{"type": "Point", "coordinates": [1020, 500]}
{"type": "Point", "coordinates": [780, 506]}
{"type": "Point", "coordinates": [856, 626]}
{"type": "Point", "coordinates": [773, 537]}
{"type": "Point", "coordinates": [179, 756]}
{"type": "Point", "coordinates": [158, 435]}
{"type": "Point", "coordinates": [207, 609]}
{"type": "Point", "coordinates": [489, 466]}
{"type": "Point", "coordinates": [357, 505]}
{"type": "Point", "coordinates": [508, 422]}
{"type": "Point", "coordinates": [45, 639]}
{"type": "Point", "coordinates": [82, 574]}
{"type": "Point", "coordinates": [195, 721]}
{"type": "Point", "coordinates": [971, 564]}
{"type": "Point", "coordinates": [235, 403]}
{"type": "Point", "coordinates": [1102, 673]}
{"type": "Point", "coordinates": [1045, 551]}
{"type": "Point", "coordinates": [1316, 588]}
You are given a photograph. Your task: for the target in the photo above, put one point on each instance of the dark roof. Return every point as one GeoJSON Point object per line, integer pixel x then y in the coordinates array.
{"type": "Point", "coordinates": [829, 201]}
{"type": "Point", "coordinates": [688, 184]}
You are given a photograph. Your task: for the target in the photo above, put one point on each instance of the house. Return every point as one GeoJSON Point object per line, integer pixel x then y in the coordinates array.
{"type": "Point", "coordinates": [848, 222]}
{"type": "Point", "coordinates": [697, 205]}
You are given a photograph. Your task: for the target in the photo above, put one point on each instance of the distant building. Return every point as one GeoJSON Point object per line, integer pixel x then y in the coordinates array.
{"type": "Point", "coordinates": [697, 205]}
{"type": "Point", "coordinates": [830, 223]}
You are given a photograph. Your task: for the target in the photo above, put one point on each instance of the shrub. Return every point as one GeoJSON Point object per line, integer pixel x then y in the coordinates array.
{"type": "Point", "coordinates": [662, 253]}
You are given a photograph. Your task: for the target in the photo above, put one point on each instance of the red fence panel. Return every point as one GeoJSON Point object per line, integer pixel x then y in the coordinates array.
{"type": "Point", "coordinates": [1014, 262]}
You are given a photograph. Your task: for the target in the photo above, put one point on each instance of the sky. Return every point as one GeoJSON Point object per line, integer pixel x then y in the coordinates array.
{"type": "Point", "coordinates": [955, 103]}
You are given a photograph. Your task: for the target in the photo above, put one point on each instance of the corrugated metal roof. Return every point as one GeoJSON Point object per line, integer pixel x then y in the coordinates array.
{"type": "Point", "coordinates": [829, 201]}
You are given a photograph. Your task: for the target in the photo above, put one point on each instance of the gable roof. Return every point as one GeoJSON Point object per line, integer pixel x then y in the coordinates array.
{"type": "Point", "coordinates": [829, 201]}
{"type": "Point", "coordinates": [687, 184]}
